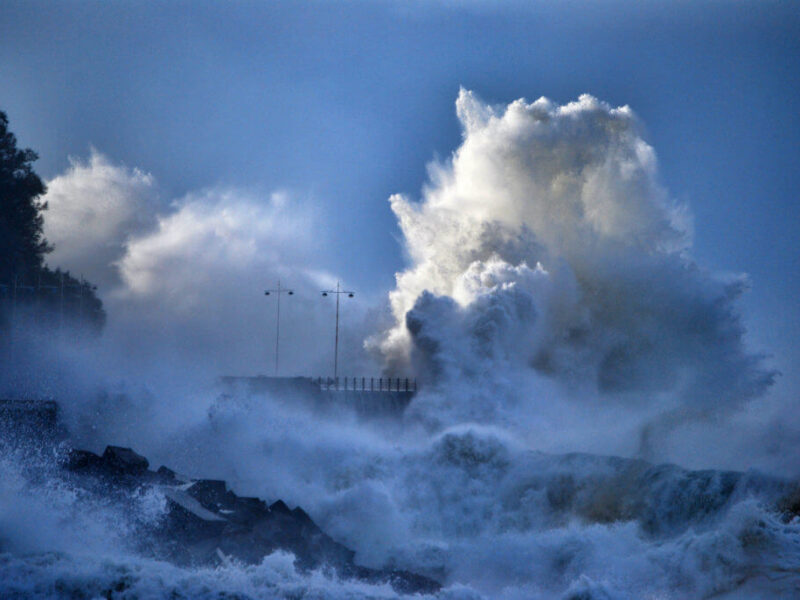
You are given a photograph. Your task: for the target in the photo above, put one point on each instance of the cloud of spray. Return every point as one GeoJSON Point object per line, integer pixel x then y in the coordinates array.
{"type": "Point", "coordinates": [195, 283]}
{"type": "Point", "coordinates": [183, 285]}
{"type": "Point", "coordinates": [547, 243]}
{"type": "Point", "coordinates": [550, 274]}
{"type": "Point", "coordinates": [186, 279]}
{"type": "Point", "coordinates": [546, 263]}
{"type": "Point", "coordinates": [473, 506]}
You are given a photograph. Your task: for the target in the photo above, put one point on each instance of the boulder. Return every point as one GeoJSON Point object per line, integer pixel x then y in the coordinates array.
{"type": "Point", "coordinates": [125, 461]}
{"type": "Point", "coordinates": [206, 524]}
{"type": "Point", "coordinates": [213, 494]}
{"type": "Point", "coordinates": [82, 460]}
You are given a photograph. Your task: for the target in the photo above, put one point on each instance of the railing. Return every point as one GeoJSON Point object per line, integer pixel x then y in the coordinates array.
{"type": "Point", "coordinates": [366, 384]}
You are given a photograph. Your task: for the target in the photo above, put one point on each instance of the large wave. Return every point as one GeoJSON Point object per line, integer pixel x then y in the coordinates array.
{"type": "Point", "coordinates": [546, 253]}
{"type": "Point", "coordinates": [554, 316]}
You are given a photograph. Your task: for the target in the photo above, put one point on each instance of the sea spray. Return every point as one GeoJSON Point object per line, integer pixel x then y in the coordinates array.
{"type": "Point", "coordinates": [546, 244]}
{"type": "Point", "coordinates": [471, 507]}
{"type": "Point", "coordinates": [555, 316]}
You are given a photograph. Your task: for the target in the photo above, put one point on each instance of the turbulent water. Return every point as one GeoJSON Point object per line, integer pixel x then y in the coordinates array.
{"type": "Point", "coordinates": [470, 506]}
{"type": "Point", "coordinates": [554, 312]}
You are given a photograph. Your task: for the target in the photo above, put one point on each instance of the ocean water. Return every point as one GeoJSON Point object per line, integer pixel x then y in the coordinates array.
{"type": "Point", "coordinates": [471, 506]}
{"type": "Point", "coordinates": [589, 425]}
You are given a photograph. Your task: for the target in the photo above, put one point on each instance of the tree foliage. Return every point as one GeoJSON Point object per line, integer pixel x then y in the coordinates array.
{"type": "Point", "coordinates": [26, 284]}
{"type": "Point", "coordinates": [22, 243]}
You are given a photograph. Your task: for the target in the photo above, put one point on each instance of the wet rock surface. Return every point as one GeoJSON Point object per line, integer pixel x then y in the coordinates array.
{"type": "Point", "coordinates": [207, 524]}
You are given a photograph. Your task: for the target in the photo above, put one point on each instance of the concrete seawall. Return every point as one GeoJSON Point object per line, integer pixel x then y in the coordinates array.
{"type": "Point", "coordinates": [363, 401]}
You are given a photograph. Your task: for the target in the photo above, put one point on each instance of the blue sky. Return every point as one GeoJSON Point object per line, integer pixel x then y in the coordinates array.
{"type": "Point", "coordinates": [347, 102]}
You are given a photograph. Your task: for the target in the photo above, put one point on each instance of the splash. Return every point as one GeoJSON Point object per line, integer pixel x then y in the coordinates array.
{"type": "Point", "coordinates": [554, 311]}
{"type": "Point", "coordinates": [545, 251]}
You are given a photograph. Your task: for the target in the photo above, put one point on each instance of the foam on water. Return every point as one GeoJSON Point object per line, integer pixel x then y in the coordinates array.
{"type": "Point", "coordinates": [470, 506]}
{"type": "Point", "coordinates": [554, 312]}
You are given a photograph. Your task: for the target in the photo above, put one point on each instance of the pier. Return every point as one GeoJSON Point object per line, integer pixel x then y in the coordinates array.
{"type": "Point", "coordinates": [366, 396]}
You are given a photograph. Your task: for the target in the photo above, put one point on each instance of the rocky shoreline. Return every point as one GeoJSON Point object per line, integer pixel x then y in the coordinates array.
{"type": "Point", "coordinates": [203, 523]}
{"type": "Point", "coordinates": [206, 524]}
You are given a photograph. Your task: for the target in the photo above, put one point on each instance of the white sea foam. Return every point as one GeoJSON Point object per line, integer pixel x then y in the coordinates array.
{"type": "Point", "coordinates": [554, 312]}
{"type": "Point", "coordinates": [470, 506]}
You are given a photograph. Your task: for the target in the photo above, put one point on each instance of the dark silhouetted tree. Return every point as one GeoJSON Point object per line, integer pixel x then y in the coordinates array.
{"type": "Point", "coordinates": [25, 282]}
{"type": "Point", "coordinates": [22, 243]}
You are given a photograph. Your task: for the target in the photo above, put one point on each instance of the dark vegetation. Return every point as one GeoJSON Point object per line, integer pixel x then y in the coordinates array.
{"type": "Point", "coordinates": [30, 291]}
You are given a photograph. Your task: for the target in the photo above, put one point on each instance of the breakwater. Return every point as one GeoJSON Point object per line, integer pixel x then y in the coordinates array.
{"type": "Point", "coordinates": [366, 396]}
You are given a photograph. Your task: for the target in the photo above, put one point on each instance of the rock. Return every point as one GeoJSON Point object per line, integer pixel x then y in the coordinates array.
{"type": "Point", "coordinates": [311, 546]}
{"type": "Point", "coordinates": [125, 460]}
{"type": "Point", "coordinates": [82, 460]}
{"type": "Point", "coordinates": [248, 510]}
{"type": "Point", "coordinates": [301, 515]}
{"type": "Point", "coordinates": [406, 582]}
{"type": "Point", "coordinates": [117, 466]}
{"type": "Point", "coordinates": [212, 494]}
{"type": "Point", "coordinates": [280, 507]}
{"type": "Point", "coordinates": [789, 505]}
{"type": "Point", "coordinates": [206, 524]}
{"type": "Point", "coordinates": [188, 524]}
{"type": "Point", "coordinates": [192, 506]}
{"type": "Point", "coordinates": [166, 476]}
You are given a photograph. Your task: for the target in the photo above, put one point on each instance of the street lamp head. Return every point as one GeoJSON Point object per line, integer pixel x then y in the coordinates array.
{"type": "Point", "coordinates": [266, 293]}
{"type": "Point", "coordinates": [349, 295]}
{"type": "Point", "coordinates": [324, 293]}
{"type": "Point", "coordinates": [291, 292]}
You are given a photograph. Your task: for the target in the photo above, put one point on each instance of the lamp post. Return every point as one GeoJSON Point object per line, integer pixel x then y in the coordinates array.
{"type": "Point", "coordinates": [278, 291]}
{"type": "Point", "coordinates": [338, 291]}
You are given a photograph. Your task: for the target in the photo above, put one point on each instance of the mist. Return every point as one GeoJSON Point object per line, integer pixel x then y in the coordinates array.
{"type": "Point", "coordinates": [552, 312]}
{"type": "Point", "coordinates": [550, 290]}
{"type": "Point", "coordinates": [184, 279]}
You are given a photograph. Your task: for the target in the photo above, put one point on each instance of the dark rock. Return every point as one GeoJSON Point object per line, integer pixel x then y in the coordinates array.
{"type": "Point", "coordinates": [406, 582]}
{"type": "Point", "coordinates": [248, 510]}
{"type": "Point", "coordinates": [166, 476]}
{"type": "Point", "coordinates": [789, 505]}
{"type": "Point", "coordinates": [124, 461]}
{"type": "Point", "coordinates": [213, 494]}
{"type": "Point", "coordinates": [116, 467]}
{"type": "Point", "coordinates": [311, 546]}
{"type": "Point", "coordinates": [301, 515]}
{"type": "Point", "coordinates": [207, 524]}
{"type": "Point", "coordinates": [82, 460]}
{"type": "Point", "coordinates": [279, 507]}
{"type": "Point", "coordinates": [256, 505]}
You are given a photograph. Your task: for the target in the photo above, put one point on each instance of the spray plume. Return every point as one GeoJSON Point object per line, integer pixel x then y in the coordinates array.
{"type": "Point", "coordinates": [546, 245]}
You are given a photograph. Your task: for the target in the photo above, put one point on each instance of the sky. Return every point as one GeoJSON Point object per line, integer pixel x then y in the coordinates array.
{"type": "Point", "coordinates": [342, 104]}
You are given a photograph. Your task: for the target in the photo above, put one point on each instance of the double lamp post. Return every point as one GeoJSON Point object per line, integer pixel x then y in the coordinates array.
{"type": "Point", "coordinates": [281, 290]}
